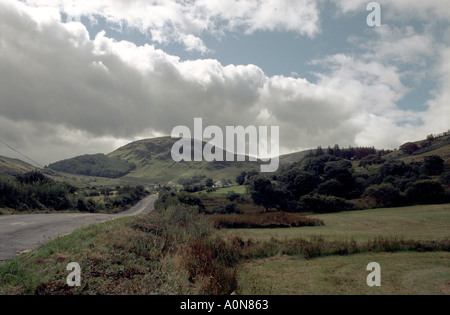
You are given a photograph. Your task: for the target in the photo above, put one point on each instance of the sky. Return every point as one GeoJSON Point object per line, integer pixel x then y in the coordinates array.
{"type": "Point", "coordinates": [88, 76]}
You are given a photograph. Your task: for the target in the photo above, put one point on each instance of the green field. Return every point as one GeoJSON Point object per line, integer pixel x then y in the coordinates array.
{"type": "Point", "coordinates": [401, 274]}
{"type": "Point", "coordinates": [222, 192]}
{"type": "Point", "coordinates": [423, 223]}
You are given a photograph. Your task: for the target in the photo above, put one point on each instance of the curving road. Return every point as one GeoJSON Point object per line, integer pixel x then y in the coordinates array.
{"type": "Point", "coordinates": [21, 233]}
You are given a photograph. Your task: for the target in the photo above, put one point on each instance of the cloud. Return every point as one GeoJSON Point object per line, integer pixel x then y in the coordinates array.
{"type": "Point", "coordinates": [401, 9]}
{"type": "Point", "coordinates": [184, 22]}
{"type": "Point", "coordinates": [62, 91]}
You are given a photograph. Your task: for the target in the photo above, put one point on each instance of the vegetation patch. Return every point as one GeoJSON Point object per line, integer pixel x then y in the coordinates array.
{"type": "Point", "coordinates": [34, 191]}
{"type": "Point", "coordinates": [264, 220]}
{"type": "Point", "coordinates": [94, 165]}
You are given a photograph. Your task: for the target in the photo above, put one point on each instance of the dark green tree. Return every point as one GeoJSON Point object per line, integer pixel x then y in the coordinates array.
{"type": "Point", "coordinates": [433, 165]}
{"type": "Point", "coordinates": [240, 179]}
{"type": "Point", "coordinates": [426, 192]}
{"type": "Point", "coordinates": [385, 194]}
{"type": "Point", "coordinates": [262, 192]}
{"type": "Point", "coordinates": [209, 182]}
{"type": "Point", "coordinates": [409, 148]}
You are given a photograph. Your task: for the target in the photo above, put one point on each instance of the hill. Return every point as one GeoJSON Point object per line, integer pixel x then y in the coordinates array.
{"type": "Point", "coordinates": [149, 161]}
{"type": "Point", "coordinates": [154, 163]}
{"type": "Point", "coordinates": [290, 158]}
{"type": "Point", "coordinates": [98, 165]}
{"type": "Point", "coordinates": [12, 166]}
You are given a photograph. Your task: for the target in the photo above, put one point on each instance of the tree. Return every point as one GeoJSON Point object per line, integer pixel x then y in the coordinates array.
{"type": "Point", "coordinates": [251, 174]}
{"type": "Point", "coordinates": [394, 168]}
{"type": "Point", "coordinates": [313, 164]}
{"type": "Point", "coordinates": [426, 191]}
{"type": "Point", "coordinates": [262, 192]}
{"type": "Point", "coordinates": [240, 179]}
{"type": "Point", "coordinates": [409, 148]}
{"type": "Point", "coordinates": [384, 194]}
{"type": "Point", "coordinates": [337, 150]}
{"type": "Point", "coordinates": [232, 195]}
{"type": "Point", "coordinates": [330, 188]}
{"type": "Point", "coordinates": [433, 165]}
{"type": "Point", "coordinates": [323, 204]}
{"type": "Point", "coordinates": [299, 183]}
{"type": "Point", "coordinates": [191, 200]}
{"type": "Point", "coordinates": [342, 172]}
{"type": "Point", "coordinates": [209, 182]}
{"type": "Point", "coordinates": [319, 151]}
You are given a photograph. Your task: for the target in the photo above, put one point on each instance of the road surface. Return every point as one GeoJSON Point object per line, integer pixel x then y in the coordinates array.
{"type": "Point", "coordinates": [21, 233]}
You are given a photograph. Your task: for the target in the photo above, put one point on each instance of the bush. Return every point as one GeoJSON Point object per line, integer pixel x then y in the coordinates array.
{"type": "Point", "coordinates": [191, 200]}
{"type": "Point", "coordinates": [268, 220]}
{"type": "Point", "coordinates": [32, 177]}
{"type": "Point", "coordinates": [426, 192]}
{"type": "Point", "coordinates": [433, 165]}
{"type": "Point", "coordinates": [232, 196]}
{"type": "Point", "coordinates": [229, 208]}
{"type": "Point", "coordinates": [384, 194]}
{"type": "Point", "coordinates": [330, 188]}
{"type": "Point", "coordinates": [394, 168]}
{"type": "Point", "coordinates": [240, 179]}
{"type": "Point", "coordinates": [409, 148]}
{"type": "Point", "coordinates": [323, 204]}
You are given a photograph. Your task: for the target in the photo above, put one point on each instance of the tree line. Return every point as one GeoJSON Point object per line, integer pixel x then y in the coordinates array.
{"type": "Point", "coordinates": [328, 182]}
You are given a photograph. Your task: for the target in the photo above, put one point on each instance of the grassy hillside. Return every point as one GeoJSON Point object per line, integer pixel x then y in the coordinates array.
{"type": "Point", "coordinates": [94, 165]}
{"type": "Point", "coordinates": [431, 146]}
{"type": "Point", "coordinates": [154, 163]}
{"type": "Point", "coordinates": [11, 166]}
{"type": "Point", "coordinates": [294, 157]}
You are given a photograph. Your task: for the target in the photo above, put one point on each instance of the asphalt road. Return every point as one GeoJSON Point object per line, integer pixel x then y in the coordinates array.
{"type": "Point", "coordinates": [21, 233]}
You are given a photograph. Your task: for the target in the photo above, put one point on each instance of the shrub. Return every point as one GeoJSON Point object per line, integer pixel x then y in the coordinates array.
{"type": "Point", "coordinates": [240, 179]}
{"type": "Point", "coordinates": [232, 196]}
{"type": "Point", "coordinates": [394, 168]}
{"type": "Point", "coordinates": [265, 221]}
{"type": "Point", "coordinates": [426, 192]}
{"type": "Point", "coordinates": [330, 188]}
{"type": "Point", "coordinates": [384, 194]}
{"type": "Point", "coordinates": [433, 165]}
{"type": "Point", "coordinates": [323, 204]}
{"type": "Point", "coordinates": [229, 208]}
{"type": "Point", "coordinates": [409, 148]}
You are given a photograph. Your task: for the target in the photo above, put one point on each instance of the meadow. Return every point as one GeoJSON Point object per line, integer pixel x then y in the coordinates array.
{"type": "Point", "coordinates": [403, 273]}
{"type": "Point", "coordinates": [422, 223]}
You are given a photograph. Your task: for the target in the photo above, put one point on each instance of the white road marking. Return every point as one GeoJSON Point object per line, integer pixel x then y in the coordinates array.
{"type": "Point", "coordinates": [21, 223]}
{"type": "Point", "coordinates": [145, 207]}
